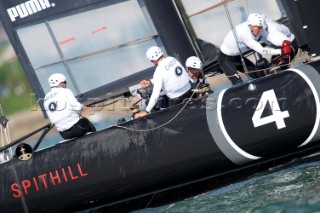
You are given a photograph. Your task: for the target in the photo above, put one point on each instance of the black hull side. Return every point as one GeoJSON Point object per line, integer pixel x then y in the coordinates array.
{"type": "Point", "coordinates": [116, 164]}
{"type": "Point", "coordinates": [122, 163]}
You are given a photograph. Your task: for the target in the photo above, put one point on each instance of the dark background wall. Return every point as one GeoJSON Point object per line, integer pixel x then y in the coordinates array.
{"type": "Point", "coordinates": [304, 18]}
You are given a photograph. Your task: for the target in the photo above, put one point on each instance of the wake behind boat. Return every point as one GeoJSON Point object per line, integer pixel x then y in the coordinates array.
{"type": "Point", "coordinates": [228, 130]}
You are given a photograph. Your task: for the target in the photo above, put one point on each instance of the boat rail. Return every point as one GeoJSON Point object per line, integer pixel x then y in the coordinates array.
{"type": "Point", "coordinates": [24, 151]}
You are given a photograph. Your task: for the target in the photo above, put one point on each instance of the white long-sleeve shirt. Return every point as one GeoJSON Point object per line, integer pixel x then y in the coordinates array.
{"type": "Point", "coordinates": [61, 107]}
{"type": "Point", "coordinates": [276, 33]}
{"type": "Point", "coordinates": [170, 77]}
{"type": "Point", "coordinates": [245, 41]}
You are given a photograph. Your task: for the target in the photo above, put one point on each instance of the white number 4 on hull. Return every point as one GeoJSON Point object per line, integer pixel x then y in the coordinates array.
{"type": "Point", "coordinates": [277, 116]}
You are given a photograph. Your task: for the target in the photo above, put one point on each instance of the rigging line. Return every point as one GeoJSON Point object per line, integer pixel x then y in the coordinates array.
{"type": "Point", "coordinates": [8, 131]}
{"type": "Point", "coordinates": [112, 112]}
{"type": "Point", "coordinates": [7, 135]}
{"type": "Point", "coordinates": [209, 8]}
{"type": "Point", "coordinates": [276, 67]}
{"type": "Point", "coordinates": [93, 105]}
{"type": "Point", "coordinates": [164, 124]}
{"type": "Point", "coordinates": [267, 69]}
{"type": "Point", "coordinates": [106, 99]}
{"type": "Point", "coordinates": [1, 111]}
{"type": "Point", "coordinates": [137, 41]}
{"type": "Point", "coordinates": [2, 141]}
{"type": "Point", "coordinates": [236, 38]}
{"type": "Point", "coordinates": [4, 128]}
{"type": "Point", "coordinates": [150, 200]}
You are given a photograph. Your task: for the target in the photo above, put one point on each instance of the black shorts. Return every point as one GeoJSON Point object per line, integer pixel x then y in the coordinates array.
{"type": "Point", "coordinates": [186, 96]}
{"type": "Point", "coordinates": [79, 129]}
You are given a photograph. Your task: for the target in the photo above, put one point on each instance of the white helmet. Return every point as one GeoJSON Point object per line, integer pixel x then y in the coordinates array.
{"type": "Point", "coordinates": [154, 53]}
{"type": "Point", "coordinates": [255, 19]}
{"type": "Point", "coordinates": [55, 79]}
{"type": "Point", "coordinates": [194, 62]}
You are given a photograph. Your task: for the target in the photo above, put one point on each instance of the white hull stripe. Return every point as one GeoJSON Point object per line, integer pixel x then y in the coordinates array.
{"type": "Point", "coordinates": [315, 93]}
{"type": "Point", "coordinates": [217, 128]}
{"type": "Point", "coordinates": [223, 129]}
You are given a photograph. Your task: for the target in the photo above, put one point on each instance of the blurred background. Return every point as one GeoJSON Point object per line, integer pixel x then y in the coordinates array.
{"type": "Point", "coordinates": [16, 97]}
{"type": "Point", "coordinates": [19, 105]}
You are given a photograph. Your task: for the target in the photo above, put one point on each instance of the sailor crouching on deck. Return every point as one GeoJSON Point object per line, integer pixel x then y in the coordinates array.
{"type": "Point", "coordinates": [169, 76]}
{"type": "Point", "coordinates": [199, 84]}
{"type": "Point", "coordinates": [241, 39]}
{"type": "Point", "coordinates": [61, 107]}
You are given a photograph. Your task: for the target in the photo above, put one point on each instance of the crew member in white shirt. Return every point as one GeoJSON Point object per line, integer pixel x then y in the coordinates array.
{"type": "Point", "coordinates": [247, 35]}
{"type": "Point", "coordinates": [63, 109]}
{"type": "Point", "coordinates": [279, 35]}
{"type": "Point", "coordinates": [276, 33]}
{"type": "Point", "coordinates": [170, 77]}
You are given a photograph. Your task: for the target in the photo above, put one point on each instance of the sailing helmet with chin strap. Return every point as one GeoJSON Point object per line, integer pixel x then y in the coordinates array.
{"type": "Point", "coordinates": [55, 79]}
{"type": "Point", "coordinates": [154, 53]}
{"type": "Point", "coordinates": [194, 62]}
{"type": "Point", "coordinates": [255, 19]}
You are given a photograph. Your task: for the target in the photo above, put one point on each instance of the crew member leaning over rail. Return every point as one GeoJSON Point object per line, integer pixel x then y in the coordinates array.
{"type": "Point", "coordinates": [242, 38]}
{"type": "Point", "coordinates": [279, 35]}
{"type": "Point", "coordinates": [169, 76]}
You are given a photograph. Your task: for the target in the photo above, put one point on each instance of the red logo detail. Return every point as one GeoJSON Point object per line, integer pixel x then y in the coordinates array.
{"type": "Point", "coordinates": [99, 30]}
{"type": "Point", "coordinates": [67, 40]}
{"type": "Point", "coordinates": [47, 180]}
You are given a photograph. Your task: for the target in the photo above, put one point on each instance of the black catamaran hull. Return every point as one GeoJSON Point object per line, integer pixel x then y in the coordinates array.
{"type": "Point", "coordinates": [225, 131]}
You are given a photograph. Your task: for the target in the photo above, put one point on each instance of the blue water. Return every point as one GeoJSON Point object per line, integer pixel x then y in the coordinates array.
{"type": "Point", "coordinates": [294, 187]}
